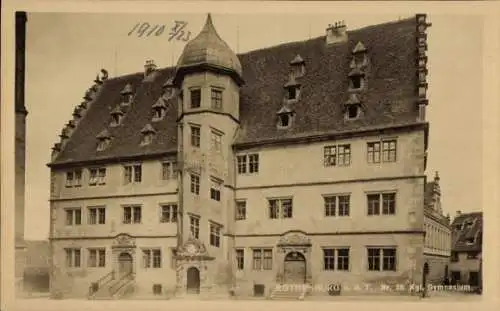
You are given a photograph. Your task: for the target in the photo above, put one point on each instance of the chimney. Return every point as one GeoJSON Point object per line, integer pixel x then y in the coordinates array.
{"type": "Point", "coordinates": [459, 213]}
{"type": "Point", "coordinates": [149, 68]}
{"type": "Point", "coordinates": [336, 33]}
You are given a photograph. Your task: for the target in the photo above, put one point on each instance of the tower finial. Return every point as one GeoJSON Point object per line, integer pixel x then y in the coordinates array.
{"type": "Point", "coordinates": [436, 177]}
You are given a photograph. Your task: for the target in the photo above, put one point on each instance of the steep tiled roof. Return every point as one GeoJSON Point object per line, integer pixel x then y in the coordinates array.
{"type": "Point", "coordinates": [390, 99]}
{"type": "Point", "coordinates": [467, 228]}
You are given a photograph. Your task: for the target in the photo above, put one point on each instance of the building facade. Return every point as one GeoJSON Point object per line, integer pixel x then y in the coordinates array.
{"type": "Point", "coordinates": [466, 251]}
{"type": "Point", "coordinates": [437, 247]}
{"type": "Point", "coordinates": [302, 163]}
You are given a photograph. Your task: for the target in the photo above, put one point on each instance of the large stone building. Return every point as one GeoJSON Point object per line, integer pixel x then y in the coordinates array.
{"type": "Point", "coordinates": [466, 250]}
{"type": "Point", "coordinates": [437, 246]}
{"type": "Point", "coordinates": [229, 174]}
{"type": "Point", "coordinates": [20, 149]}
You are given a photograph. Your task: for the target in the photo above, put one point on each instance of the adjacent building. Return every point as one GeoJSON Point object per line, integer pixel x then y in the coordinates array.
{"type": "Point", "coordinates": [437, 247]}
{"type": "Point", "coordinates": [466, 250]}
{"type": "Point", "coordinates": [301, 163]}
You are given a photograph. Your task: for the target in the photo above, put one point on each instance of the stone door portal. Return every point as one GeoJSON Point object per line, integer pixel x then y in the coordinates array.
{"type": "Point", "coordinates": [193, 280]}
{"type": "Point", "coordinates": [294, 268]}
{"type": "Point", "coordinates": [125, 263]}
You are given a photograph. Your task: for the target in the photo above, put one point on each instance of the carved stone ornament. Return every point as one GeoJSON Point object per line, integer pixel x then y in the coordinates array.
{"type": "Point", "coordinates": [124, 240]}
{"type": "Point", "coordinates": [193, 249]}
{"type": "Point", "coordinates": [294, 239]}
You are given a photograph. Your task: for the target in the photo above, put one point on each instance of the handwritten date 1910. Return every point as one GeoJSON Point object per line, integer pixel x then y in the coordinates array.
{"type": "Point", "coordinates": [177, 32]}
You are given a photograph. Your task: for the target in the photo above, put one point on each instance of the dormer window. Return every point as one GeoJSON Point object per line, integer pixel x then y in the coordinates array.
{"type": "Point", "coordinates": [127, 94]}
{"type": "Point", "coordinates": [356, 77]}
{"type": "Point", "coordinates": [116, 116]}
{"type": "Point", "coordinates": [353, 112]}
{"type": "Point", "coordinates": [148, 133]}
{"type": "Point", "coordinates": [352, 107]}
{"type": "Point", "coordinates": [168, 89]}
{"type": "Point", "coordinates": [285, 117]}
{"type": "Point", "coordinates": [103, 140]}
{"type": "Point", "coordinates": [292, 88]}
{"type": "Point", "coordinates": [196, 98]}
{"type": "Point", "coordinates": [159, 110]}
{"type": "Point", "coordinates": [298, 66]}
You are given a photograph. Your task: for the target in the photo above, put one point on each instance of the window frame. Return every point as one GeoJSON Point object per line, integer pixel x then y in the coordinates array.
{"type": "Point", "coordinates": [217, 102]}
{"type": "Point", "coordinates": [195, 135]}
{"type": "Point", "coordinates": [278, 211]}
{"type": "Point", "coordinates": [215, 189]}
{"type": "Point", "coordinates": [260, 261]}
{"type": "Point", "coordinates": [192, 98]}
{"type": "Point", "coordinates": [133, 219]}
{"type": "Point", "coordinates": [378, 153]}
{"type": "Point", "coordinates": [100, 217]}
{"type": "Point", "coordinates": [194, 226]}
{"type": "Point", "coordinates": [240, 210]}
{"type": "Point", "coordinates": [152, 258]}
{"type": "Point", "coordinates": [380, 261]}
{"type": "Point", "coordinates": [169, 170]}
{"type": "Point", "coordinates": [171, 210]}
{"type": "Point", "coordinates": [333, 157]}
{"type": "Point", "coordinates": [194, 183]}
{"type": "Point", "coordinates": [73, 211]}
{"type": "Point", "coordinates": [332, 258]}
{"type": "Point", "coordinates": [381, 209]}
{"type": "Point", "coordinates": [132, 173]}
{"type": "Point", "coordinates": [215, 234]}
{"type": "Point", "coordinates": [239, 255]}
{"type": "Point", "coordinates": [71, 256]}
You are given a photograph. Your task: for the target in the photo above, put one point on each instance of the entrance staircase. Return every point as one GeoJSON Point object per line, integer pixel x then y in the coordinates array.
{"type": "Point", "coordinates": [111, 287]}
{"type": "Point", "coordinates": [292, 292]}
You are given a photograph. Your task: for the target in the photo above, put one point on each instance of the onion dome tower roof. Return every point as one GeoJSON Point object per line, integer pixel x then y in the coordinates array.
{"type": "Point", "coordinates": [209, 52]}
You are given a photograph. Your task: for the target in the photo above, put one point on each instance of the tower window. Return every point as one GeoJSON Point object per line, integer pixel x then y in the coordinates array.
{"type": "Point", "coordinates": [216, 99]}
{"type": "Point", "coordinates": [195, 136]}
{"type": "Point", "coordinates": [196, 98]}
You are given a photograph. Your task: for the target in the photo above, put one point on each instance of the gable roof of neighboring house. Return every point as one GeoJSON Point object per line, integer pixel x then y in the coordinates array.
{"type": "Point", "coordinates": [390, 99]}
{"type": "Point", "coordinates": [467, 232]}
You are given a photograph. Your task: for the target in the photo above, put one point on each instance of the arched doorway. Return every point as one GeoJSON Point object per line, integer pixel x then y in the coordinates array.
{"type": "Point", "coordinates": [193, 280]}
{"type": "Point", "coordinates": [294, 268]}
{"type": "Point", "coordinates": [125, 263]}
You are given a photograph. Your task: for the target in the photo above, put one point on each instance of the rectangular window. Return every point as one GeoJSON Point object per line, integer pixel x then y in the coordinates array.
{"type": "Point", "coordinates": [454, 257]}
{"type": "Point", "coordinates": [216, 99]}
{"type": "Point", "coordinates": [334, 203]}
{"type": "Point", "coordinates": [388, 148]}
{"type": "Point", "coordinates": [329, 259]}
{"type": "Point", "coordinates": [263, 259]}
{"type": "Point", "coordinates": [336, 259]}
{"type": "Point", "coordinates": [242, 164]}
{"type": "Point", "coordinates": [74, 178]}
{"type": "Point", "coordinates": [215, 234]}
{"type": "Point", "coordinates": [381, 259]}
{"type": "Point", "coordinates": [253, 163]}
{"type": "Point", "coordinates": [344, 202]}
{"type": "Point", "coordinates": [169, 170]}
{"type": "Point", "coordinates": [132, 214]}
{"type": "Point", "coordinates": [73, 216]}
{"type": "Point", "coordinates": [373, 152]}
{"type": "Point", "coordinates": [337, 155]}
{"type": "Point", "coordinates": [97, 257]}
{"type": "Point", "coordinates": [157, 289]}
{"type": "Point", "coordinates": [384, 203]}
{"type": "Point", "coordinates": [240, 259]}
{"type": "Point", "coordinates": [151, 258]}
{"type": "Point", "coordinates": [195, 184]}
{"type": "Point", "coordinates": [168, 213]}
{"type": "Point", "coordinates": [194, 226]}
{"type": "Point", "coordinates": [388, 203]}
{"type": "Point", "coordinates": [280, 208]}
{"type": "Point", "coordinates": [215, 189]}
{"type": "Point", "coordinates": [195, 136]}
{"type": "Point", "coordinates": [330, 205]}
{"type": "Point", "coordinates": [241, 210]}
{"type": "Point", "coordinates": [343, 259]}
{"type": "Point", "coordinates": [389, 151]}
{"type": "Point", "coordinates": [195, 98]}
{"type": "Point", "coordinates": [73, 257]}
{"type": "Point", "coordinates": [132, 173]}
{"type": "Point", "coordinates": [97, 215]}
{"type": "Point", "coordinates": [216, 142]}
{"type": "Point", "coordinates": [97, 176]}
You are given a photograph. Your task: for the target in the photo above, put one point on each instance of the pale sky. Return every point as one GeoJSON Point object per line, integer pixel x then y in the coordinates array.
{"type": "Point", "coordinates": [66, 51]}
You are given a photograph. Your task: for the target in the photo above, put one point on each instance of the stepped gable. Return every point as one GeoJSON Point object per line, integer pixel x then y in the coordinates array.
{"type": "Point", "coordinates": [391, 97]}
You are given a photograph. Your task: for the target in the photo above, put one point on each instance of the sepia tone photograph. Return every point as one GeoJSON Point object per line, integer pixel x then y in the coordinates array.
{"type": "Point", "coordinates": [245, 157]}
